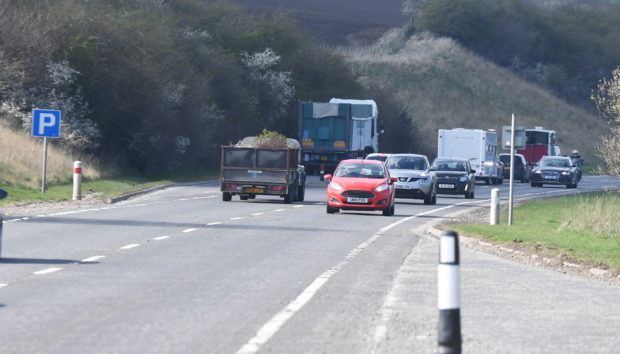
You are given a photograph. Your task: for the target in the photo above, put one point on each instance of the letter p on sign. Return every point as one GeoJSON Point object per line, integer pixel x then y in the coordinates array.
{"type": "Point", "coordinates": [45, 123]}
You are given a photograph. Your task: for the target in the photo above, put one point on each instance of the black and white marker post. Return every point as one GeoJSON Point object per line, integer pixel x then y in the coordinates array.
{"type": "Point", "coordinates": [448, 294]}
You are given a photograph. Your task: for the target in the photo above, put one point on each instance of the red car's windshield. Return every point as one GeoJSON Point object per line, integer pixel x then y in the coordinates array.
{"type": "Point", "coordinates": [360, 170]}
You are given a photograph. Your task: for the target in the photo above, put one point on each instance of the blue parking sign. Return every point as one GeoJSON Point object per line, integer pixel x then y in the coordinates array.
{"type": "Point", "coordinates": [46, 123]}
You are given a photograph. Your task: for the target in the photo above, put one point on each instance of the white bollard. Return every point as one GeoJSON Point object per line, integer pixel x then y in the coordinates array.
{"type": "Point", "coordinates": [77, 180]}
{"type": "Point", "coordinates": [495, 198]}
{"type": "Point", "coordinates": [448, 294]}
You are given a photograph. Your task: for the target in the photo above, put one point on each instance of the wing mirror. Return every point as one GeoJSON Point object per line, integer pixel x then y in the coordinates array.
{"type": "Point", "coordinates": [3, 194]}
{"type": "Point", "coordinates": [393, 179]}
{"type": "Point", "coordinates": [472, 171]}
{"type": "Point", "coordinates": [434, 168]}
{"type": "Point", "coordinates": [328, 176]}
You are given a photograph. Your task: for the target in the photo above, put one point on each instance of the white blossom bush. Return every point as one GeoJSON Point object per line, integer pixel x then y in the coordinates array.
{"type": "Point", "coordinates": [261, 70]}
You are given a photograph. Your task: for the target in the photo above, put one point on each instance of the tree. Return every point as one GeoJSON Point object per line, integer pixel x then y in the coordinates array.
{"type": "Point", "coordinates": [607, 100]}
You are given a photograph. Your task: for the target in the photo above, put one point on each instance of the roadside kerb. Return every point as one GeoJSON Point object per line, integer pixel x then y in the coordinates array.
{"type": "Point", "coordinates": [155, 189]}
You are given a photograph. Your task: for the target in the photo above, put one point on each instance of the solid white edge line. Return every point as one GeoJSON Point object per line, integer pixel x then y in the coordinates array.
{"type": "Point", "coordinates": [46, 271]}
{"type": "Point", "coordinates": [92, 259]}
{"type": "Point", "coordinates": [189, 230]}
{"type": "Point", "coordinates": [161, 238]}
{"type": "Point", "coordinates": [130, 246]}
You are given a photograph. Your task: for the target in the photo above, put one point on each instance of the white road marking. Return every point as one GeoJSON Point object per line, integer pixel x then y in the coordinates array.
{"type": "Point", "coordinates": [299, 206]}
{"type": "Point", "coordinates": [257, 214]}
{"type": "Point", "coordinates": [161, 238]}
{"type": "Point", "coordinates": [214, 223]}
{"type": "Point", "coordinates": [272, 326]}
{"type": "Point", "coordinates": [238, 218]}
{"type": "Point", "coordinates": [130, 246]}
{"type": "Point", "coordinates": [47, 271]}
{"type": "Point", "coordinates": [280, 210]}
{"type": "Point", "coordinates": [3, 285]}
{"type": "Point", "coordinates": [92, 259]}
{"type": "Point", "coordinates": [189, 230]}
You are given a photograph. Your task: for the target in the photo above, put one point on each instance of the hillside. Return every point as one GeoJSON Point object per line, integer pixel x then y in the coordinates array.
{"type": "Point", "coordinates": [21, 161]}
{"type": "Point", "coordinates": [443, 85]}
{"type": "Point", "coordinates": [338, 22]}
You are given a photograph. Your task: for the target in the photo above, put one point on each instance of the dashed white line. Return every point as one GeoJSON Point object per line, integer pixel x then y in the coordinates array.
{"type": "Point", "coordinates": [92, 259]}
{"type": "Point", "coordinates": [238, 218]}
{"type": "Point", "coordinates": [130, 246]}
{"type": "Point", "coordinates": [161, 238]}
{"type": "Point", "coordinates": [214, 223]}
{"type": "Point", "coordinates": [47, 271]}
{"type": "Point", "coordinates": [189, 230]}
{"type": "Point", "coordinates": [3, 285]}
{"type": "Point", "coordinates": [257, 214]}
{"type": "Point", "coordinates": [280, 210]}
{"type": "Point", "coordinates": [299, 206]}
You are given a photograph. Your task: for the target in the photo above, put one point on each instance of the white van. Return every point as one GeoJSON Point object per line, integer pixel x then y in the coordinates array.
{"type": "Point", "coordinates": [478, 146]}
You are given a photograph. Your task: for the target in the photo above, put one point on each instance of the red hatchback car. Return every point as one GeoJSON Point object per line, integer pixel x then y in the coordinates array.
{"type": "Point", "coordinates": [361, 185]}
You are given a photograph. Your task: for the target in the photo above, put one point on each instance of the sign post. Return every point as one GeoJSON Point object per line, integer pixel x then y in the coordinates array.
{"type": "Point", "coordinates": [45, 124]}
{"type": "Point", "coordinates": [513, 139]}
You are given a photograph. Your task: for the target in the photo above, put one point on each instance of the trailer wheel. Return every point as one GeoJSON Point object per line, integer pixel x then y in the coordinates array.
{"type": "Point", "coordinates": [301, 193]}
{"type": "Point", "coordinates": [243, 197]}
{"type": "Point", "coordinates": [227, 197]}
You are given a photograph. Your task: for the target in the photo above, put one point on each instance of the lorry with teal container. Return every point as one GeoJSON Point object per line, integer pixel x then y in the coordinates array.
{"type": "Point", "coordinates": [337, 130]}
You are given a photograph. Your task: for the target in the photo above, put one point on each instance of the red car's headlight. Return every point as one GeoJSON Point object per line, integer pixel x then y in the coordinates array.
{"type": "Point", "coordinates": [382, 187]}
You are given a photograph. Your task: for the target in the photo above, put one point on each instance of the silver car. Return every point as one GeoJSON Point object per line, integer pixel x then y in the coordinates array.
{"type": "Point", "coordinates": [415, 178]}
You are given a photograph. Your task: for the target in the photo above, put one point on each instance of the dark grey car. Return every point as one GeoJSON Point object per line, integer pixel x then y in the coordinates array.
{"type": "Point", "coordinates": [454, 176]}
{"type": "Point", "coordinates": [415, 180]}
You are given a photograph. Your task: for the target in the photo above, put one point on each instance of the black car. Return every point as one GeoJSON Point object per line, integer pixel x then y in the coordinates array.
{"type": "Point", "coordinates": [522, 170]}
{"type": "Point", "coordinates": [555, 170]}
{"type": "Point", "coordinates": [454, 176]}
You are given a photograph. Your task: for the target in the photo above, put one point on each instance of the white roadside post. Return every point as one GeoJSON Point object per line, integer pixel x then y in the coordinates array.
{"type": "Point", "coordinates": [495, 198]}
{"type": "Point", "coordinates": [77, 180]}
{"type": "Point", "coordinates": [512, 168]}
{"type": "Point", "coordinates": [448, 294]}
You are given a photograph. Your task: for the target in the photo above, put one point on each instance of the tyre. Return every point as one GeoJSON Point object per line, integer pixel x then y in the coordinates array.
{"type": "Point", "coordinates": [331, 210]}
{"type": "Point", "coordinates": [243, 197]}
{"type": "Point", "coordinates": [301, 193]}
{"type": "Point", "coordinates": [227, 197]}
{"type": "Point", "coordinates": [487, 180]}
{"type": "Point", "coordinates": [431, 198]}
{"type": "Point", "coordinates": [533, 184]}
{"type": "Point", "coordinates": [389, 211]}
{"type": "Point", "coordinates": [500, 181]}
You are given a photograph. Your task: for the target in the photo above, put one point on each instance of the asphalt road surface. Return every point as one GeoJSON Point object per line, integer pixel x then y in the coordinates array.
{"type": "Point", "coordinates": [180, 271]}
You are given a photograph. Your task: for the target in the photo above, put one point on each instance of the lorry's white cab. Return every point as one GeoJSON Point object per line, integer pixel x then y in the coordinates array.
{"type": "Point", "coordinates": [477, 145]}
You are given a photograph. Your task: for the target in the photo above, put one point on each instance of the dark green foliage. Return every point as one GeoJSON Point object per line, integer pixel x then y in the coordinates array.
{"type": "Point", "coordinates": [566, 48]}
{"type": "Point", "coordinates": [165, 81]}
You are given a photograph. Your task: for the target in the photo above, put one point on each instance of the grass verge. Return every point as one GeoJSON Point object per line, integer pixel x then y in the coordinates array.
{"type": "Point", "coordinates": [583, 227]}
{"type": "Point", "coordinates": [99, 188]}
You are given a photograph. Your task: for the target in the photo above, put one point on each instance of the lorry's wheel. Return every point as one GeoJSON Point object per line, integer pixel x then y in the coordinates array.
{"type": "Point", "coordinates": [227, 197]}
{"type": "Point", "coordinates": [243, 197]}
{"type": "Point", "coordinates": [290, 196]}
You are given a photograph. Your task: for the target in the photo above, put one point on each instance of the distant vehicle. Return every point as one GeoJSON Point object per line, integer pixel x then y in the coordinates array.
{"type": "Point", "coordinates": [248, 170]}
{"type": "Point", "coordinates": [337, 130]}
{"type": "Point", "coordinates": [522, 170]}
{"type": "Point", "coordinates": [377, 156]}
{"type": "Point", "coordinates": [478, 146]}
{"type": "Point", "coordinates": [415, 180]}
{"type": "Point", "coordinates": [539, 142]}
{"type": "Point", "coordinates": [3, 194]}
{"type": "Point", "coordinates": [554, 170]}
{"type": "Point", "coordinates": [361, 185]}
{"type": "Point", "coordinates": [455, 176]}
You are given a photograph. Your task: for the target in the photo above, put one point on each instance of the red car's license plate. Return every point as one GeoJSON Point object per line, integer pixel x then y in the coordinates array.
{"type": "Point", "coordinates": [357, 200]}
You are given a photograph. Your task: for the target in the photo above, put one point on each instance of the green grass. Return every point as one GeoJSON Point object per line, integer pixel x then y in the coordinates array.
{"type": "Point", "coordinates": [583, 227]}
{"type": "Point", "coordinates": [104, 188]}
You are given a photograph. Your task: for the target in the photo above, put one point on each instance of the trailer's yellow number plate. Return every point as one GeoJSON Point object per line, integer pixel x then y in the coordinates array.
{"type": "Point", "coordinates": [254, 190]}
